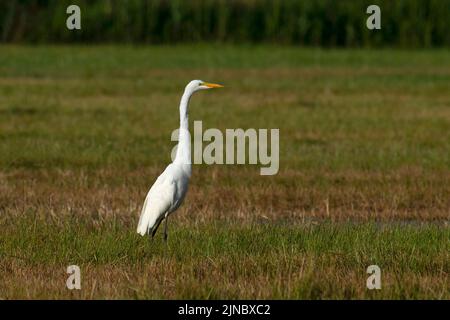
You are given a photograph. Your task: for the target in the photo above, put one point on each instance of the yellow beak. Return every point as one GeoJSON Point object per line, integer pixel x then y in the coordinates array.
{"type": "Point", "coordinates": [212, 85]}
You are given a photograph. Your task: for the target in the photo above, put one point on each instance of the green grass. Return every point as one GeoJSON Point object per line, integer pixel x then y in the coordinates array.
{"type": "Point", "coordinates": [364, 172]}
{"type": "Point", "coordinates": [374, 110]}
{"type": "Point", "coordinates": [127, 61]}
{"type": "Point", "coordinates": [306, 261]}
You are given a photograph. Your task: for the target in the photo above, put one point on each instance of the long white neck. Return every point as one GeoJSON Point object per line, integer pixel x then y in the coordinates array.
{"type": "Point", "coordinates": [184, 139]}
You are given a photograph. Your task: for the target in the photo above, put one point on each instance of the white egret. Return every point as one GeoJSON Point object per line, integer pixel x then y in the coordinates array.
{"type": "Point", "coordinates": [169, 189]}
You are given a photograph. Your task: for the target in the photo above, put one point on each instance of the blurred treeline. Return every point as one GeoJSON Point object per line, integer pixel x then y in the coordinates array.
{"type": "Point", "coordinates": [405, 23]}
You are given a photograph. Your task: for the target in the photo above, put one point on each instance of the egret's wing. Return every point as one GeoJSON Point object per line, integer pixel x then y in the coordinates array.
{"type": "Point", "coordinates": [158, 201]}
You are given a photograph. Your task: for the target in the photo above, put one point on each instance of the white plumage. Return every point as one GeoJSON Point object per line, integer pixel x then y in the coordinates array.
{"type": "Point", "coordinates": [168, 191]}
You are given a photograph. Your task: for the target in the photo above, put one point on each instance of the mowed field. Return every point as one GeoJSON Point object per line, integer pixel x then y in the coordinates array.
{"type": "Point", "coordinates": [364, 173]}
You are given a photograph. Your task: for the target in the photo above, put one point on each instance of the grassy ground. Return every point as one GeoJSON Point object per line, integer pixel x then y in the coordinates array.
{"type": "Point", "coordinates": [364, 173]}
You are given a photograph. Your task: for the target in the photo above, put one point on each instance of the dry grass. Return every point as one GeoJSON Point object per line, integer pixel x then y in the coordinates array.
{"type": "Point", "coordinates": [344, 196]}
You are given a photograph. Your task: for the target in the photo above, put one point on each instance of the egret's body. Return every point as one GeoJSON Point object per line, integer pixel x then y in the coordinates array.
{"type": "Point", "coordinates": [169, 190]}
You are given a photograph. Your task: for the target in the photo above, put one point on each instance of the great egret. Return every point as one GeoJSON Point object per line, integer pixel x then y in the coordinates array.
{"type": "Point", "coordinates": [168, 191]}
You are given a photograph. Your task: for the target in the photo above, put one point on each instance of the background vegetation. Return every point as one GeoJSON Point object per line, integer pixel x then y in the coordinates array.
{"type": "Point", "coordinates": [405, 23]}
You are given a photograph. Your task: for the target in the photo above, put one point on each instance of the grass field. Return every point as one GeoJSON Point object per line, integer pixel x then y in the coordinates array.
{"type": "Point", "coordinates": [364, 173]}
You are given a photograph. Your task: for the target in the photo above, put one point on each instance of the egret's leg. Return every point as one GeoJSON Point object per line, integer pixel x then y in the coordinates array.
{"type": "Point", "coordinates": [156, 227]}
{"type": "Point", "coordinates": [165, 229]}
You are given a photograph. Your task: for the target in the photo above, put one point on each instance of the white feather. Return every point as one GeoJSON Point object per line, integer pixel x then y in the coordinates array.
{"type": "Point", "coordinates": [158, 201]}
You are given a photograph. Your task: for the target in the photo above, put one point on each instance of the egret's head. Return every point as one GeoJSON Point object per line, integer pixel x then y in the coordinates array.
{"type": "Point", "coordinates": [196, 85]}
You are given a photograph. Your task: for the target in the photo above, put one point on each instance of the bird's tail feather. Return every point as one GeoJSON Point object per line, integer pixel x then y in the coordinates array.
{"type": "Point", "coordinates": [155, 206]}
{"type": "Point", "coordinates": [143, 220]}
